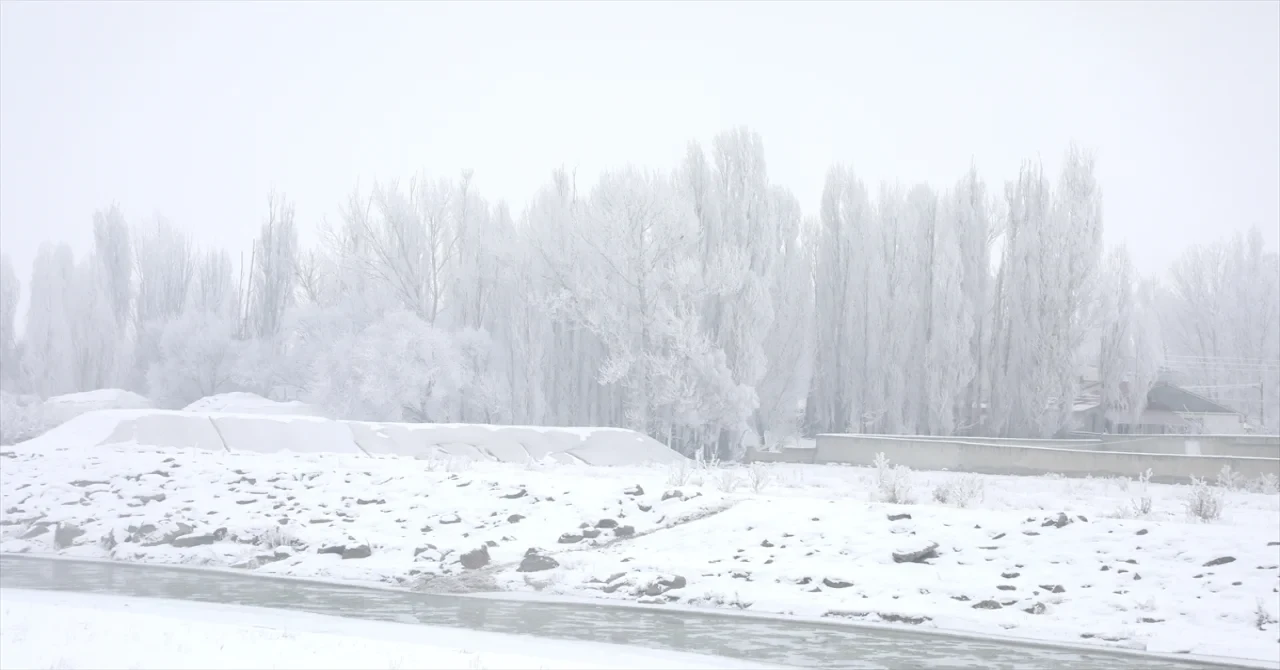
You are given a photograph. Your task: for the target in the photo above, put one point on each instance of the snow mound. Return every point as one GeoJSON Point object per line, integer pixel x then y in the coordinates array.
{"type": "Point", "coordinates": [62, 408]}
{"type": "Point", "coordinates": [264, 433]}
{"type": "Point", "coordinates": [240, 402]}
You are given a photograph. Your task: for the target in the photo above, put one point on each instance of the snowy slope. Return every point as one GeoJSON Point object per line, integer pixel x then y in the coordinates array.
{"type": "Point", "coordinates": [1039, 558]}
{"type": "Point", "coordinates": [240, 402]}
{"type": "Point", "coordinates": [63, 408]}
{"type": "Point", "coordinates": [218, 431]}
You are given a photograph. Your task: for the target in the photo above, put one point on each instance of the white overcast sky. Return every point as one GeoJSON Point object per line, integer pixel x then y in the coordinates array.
{"type": "Point", "coordinates": [196, 110]}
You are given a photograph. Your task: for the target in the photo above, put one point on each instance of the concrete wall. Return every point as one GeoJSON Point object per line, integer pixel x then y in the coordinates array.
{"type": "Point", "coordinates": [1008, 459]}
{"type": "Point", "coordinates": [1249, 446]}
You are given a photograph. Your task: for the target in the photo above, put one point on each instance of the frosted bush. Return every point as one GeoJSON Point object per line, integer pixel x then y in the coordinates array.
{"type": "Point", "coordinates": [1204, 502]}
{"type": "Point", "coordinates": [960, 491]}
{"type": "Point", "coordinates": [758, 477]}
{"type": "Point", "coordinates": [893, 482]}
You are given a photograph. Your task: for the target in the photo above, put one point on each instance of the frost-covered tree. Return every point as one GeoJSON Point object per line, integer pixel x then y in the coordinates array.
{"type": "Point", "coordinates": [273, 270]}
{"type": "Point", "coordinates": [10, 294]}
{"type": "Point", "coordinates": [1116, 315]}
{"type": "Point", "coordinates": [1221, 324]}
{"type": "Point", "coordinates": [49, 353]}
{"type": "Point", "coordinates": [788, 346]}
{"type": "Point", "coordinates": [196, 355]}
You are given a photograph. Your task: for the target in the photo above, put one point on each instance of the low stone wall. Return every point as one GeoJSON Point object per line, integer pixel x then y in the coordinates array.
{"type": "Point", "coordinates": [1250, 446]}
{"type": "Point", "coordinates": [1010, 459]}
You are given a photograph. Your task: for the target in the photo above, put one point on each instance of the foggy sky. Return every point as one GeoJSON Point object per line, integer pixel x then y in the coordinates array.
{"type": "Point", "coordinates": [197, 110]}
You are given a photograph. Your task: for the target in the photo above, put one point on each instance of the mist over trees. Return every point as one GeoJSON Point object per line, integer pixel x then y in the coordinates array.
{"type": "Point", "coordinates": [699, 305]}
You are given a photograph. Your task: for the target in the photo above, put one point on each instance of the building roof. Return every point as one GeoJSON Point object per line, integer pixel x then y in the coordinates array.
{"type": "Point", "coordinates": [1167, 397]}
{"type": "Point", "coordinates": [1163, 396]}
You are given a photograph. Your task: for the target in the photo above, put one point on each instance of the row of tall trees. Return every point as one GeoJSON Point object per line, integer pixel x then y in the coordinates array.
{"type": "Point", "coordinates": [700, 305]}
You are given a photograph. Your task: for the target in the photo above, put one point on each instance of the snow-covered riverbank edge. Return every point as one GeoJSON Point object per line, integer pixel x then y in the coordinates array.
{"type": "Point", "coordinates": [1044, 558]}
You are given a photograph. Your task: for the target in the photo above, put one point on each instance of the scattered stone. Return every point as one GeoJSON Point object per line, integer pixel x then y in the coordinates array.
{"type": "Point", "coordinates": [634, 491]}
{"type": "Point", "coordinates": [1142, 531]}
{"type": "Point", "coordinates": [1006, 587]}
{"type": "Point", "coordinates": [1053, 588]}
{"type": "Point", "coordinates": [963, 599]}
{"type": "Point", "coordinates": [421, 550]}
{"type": "Point", "coordinates": [1037, 608]}
{"type": "Point", "coordinates": [359, 551]}
{"type": "Point", "coordinates": [1147, 619]}
{"type": "Point", "coordinates": [569, 538]}
{"type": "Point", "coordinates": [462, 484]}
{"type": "Point", "coordinates": [536, 563]}
{"type": "Point", "coordinates": [518, 494]}
{"type": "Point", "coordinates": [663, 585]}
{"type": "Point", "coordinates": [1105, 568]}
{"type": "Point", "coordinates": [1010, 575]}
{"type": "Point", "coordinates": [1222, 560]}
{"type": "Point", "coordinates": [624, 531]}
{"type": "Point", "coordinates": [902, 618]}
{"type": "Point", "coordinates": [188, 541]}
{"type": "Point", "coordinates": [36, 530]}
{"type": "Point", "coordinates": [998, 536]}
{"type": "Point", "coordinates": [645, 508]}
{"type": "Point", "coordinates": [899, 517]}
{"type": "Point", "coordinates": [371, 501]}
{"type": "Point", "coordinates": [452, 518]}
{"type": "Point", "coordinates": [835, 583]}
{"type": "Point", "coordinates": [65, 534]}
{"type": "Point", "coordinates": [606, 523]}
{"type": "Point", "coordinates": [675, 493]}
{"type": "Point", "coordinates": [475, 559]}
{"type": "Point", "coordinates": [1273, 544]}
{"type": "Point", "coordinates": [81, 483]}
{"type": "Point", "coordinates": [1030, 532]}
{"type": "Point", "coordinates": [1082, 518]}
{"type": "Point", "coordinates": [591, 533]}
{"type": "Point", "coordinates": [766, 544]}
{"type": "Point", "coordinates": [918, 556]}
{"type": "Point", "coordinates": [337, 549]}
{"type": "Point", "coordinates": [987, 605]}
{"type": "Point", "coordinates": [424, 529]}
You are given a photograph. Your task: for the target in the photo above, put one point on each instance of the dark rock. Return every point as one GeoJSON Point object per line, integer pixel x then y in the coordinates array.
{"type": "Point", "coordinates": [425, 529]}
{"type": "Point", "coordinates": [336, 549]}
{"type": "Point", "coordinates": [361, 551]}
{"type": "Point", "coordinates": [475, 559]}
{"type": "Point", "coordinates": [1030, 532]}
{"type": "Point", "coordinates": [673, 494]}
{"type": "Point", "coordinates": [159, 497]}
{"type": "Point", "coordinates": [36, 530]}
{"type": "Point", "coordinates": [462, 484]}
{"type": "Point", "coordinates": [624, 531]}
{"type": "Point", "coordinates": [1037, 608]}
{"type": "Point", "coordinates": [998, 536]}
{"type": "Point", "coordinates": [1061, 520]}
{"type": "Point", "coordinates": [1053, 588]}
{"type": "Point", "coordinates": [804, 581]}
{"type": "Point", "coordinates": [591, 533]}
{"type": "Point", "coordinates": [370, 501]}
{"type": "Point", "coordinates": [606, 523]}
{"type": "Point", "coordinates": [1105, 568]}
{"type": "Point", "coordinates": [963, 599]}
{"type": "Point", "coordinates": [1006, 587]}
{"type": "Point", "coordinates": [1142, 531]}
{"type": "Point", "coordinates": [518, 494]}
{"type": "Point", "coordinates": [65, 534]}
{"type": "Point", "coordinates": [421, 550]}
{"type": "Point", "coordinates": [987, 605]}
{"type": "Point", "coordinates": [919, 556]}
{"type": "Point", "coordinates": [835, 583]}
{"type": "Point", "coordinates": [1010, 575]}
{"type": "Point", "coordinates": [569, 538]}
{"type": "Point", "coordinates": [634, 491]}
{"type": "Point", "coordinates": [645, 508]}
{"type": "Point", "coordinates": [451, 519]}
{"type": "Point", "coordinates": [490, 543]}
{"type": "Point", "coordinates": [766, 544]}
{"type": "Point", "coordinates": [899, 517]}
{"type": "Point", "coordinates": [537, 563]}
{"type": "Point", "coordinates": [187, 541]}
{"type": "Point", "coordinates": [1222, 560]}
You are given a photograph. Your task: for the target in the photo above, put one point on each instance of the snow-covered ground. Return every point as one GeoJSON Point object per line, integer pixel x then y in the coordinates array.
{"type": "Point", "coordinates": [1099, 561]}
{"type": "Point", "coordinates": [71, 630]}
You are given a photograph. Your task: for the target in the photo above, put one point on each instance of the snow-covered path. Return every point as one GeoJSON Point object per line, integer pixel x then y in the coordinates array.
{"type": "Point", "coordinates": [1038, 558]}
{"type": "Point", "coordinates": [73, 630]}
